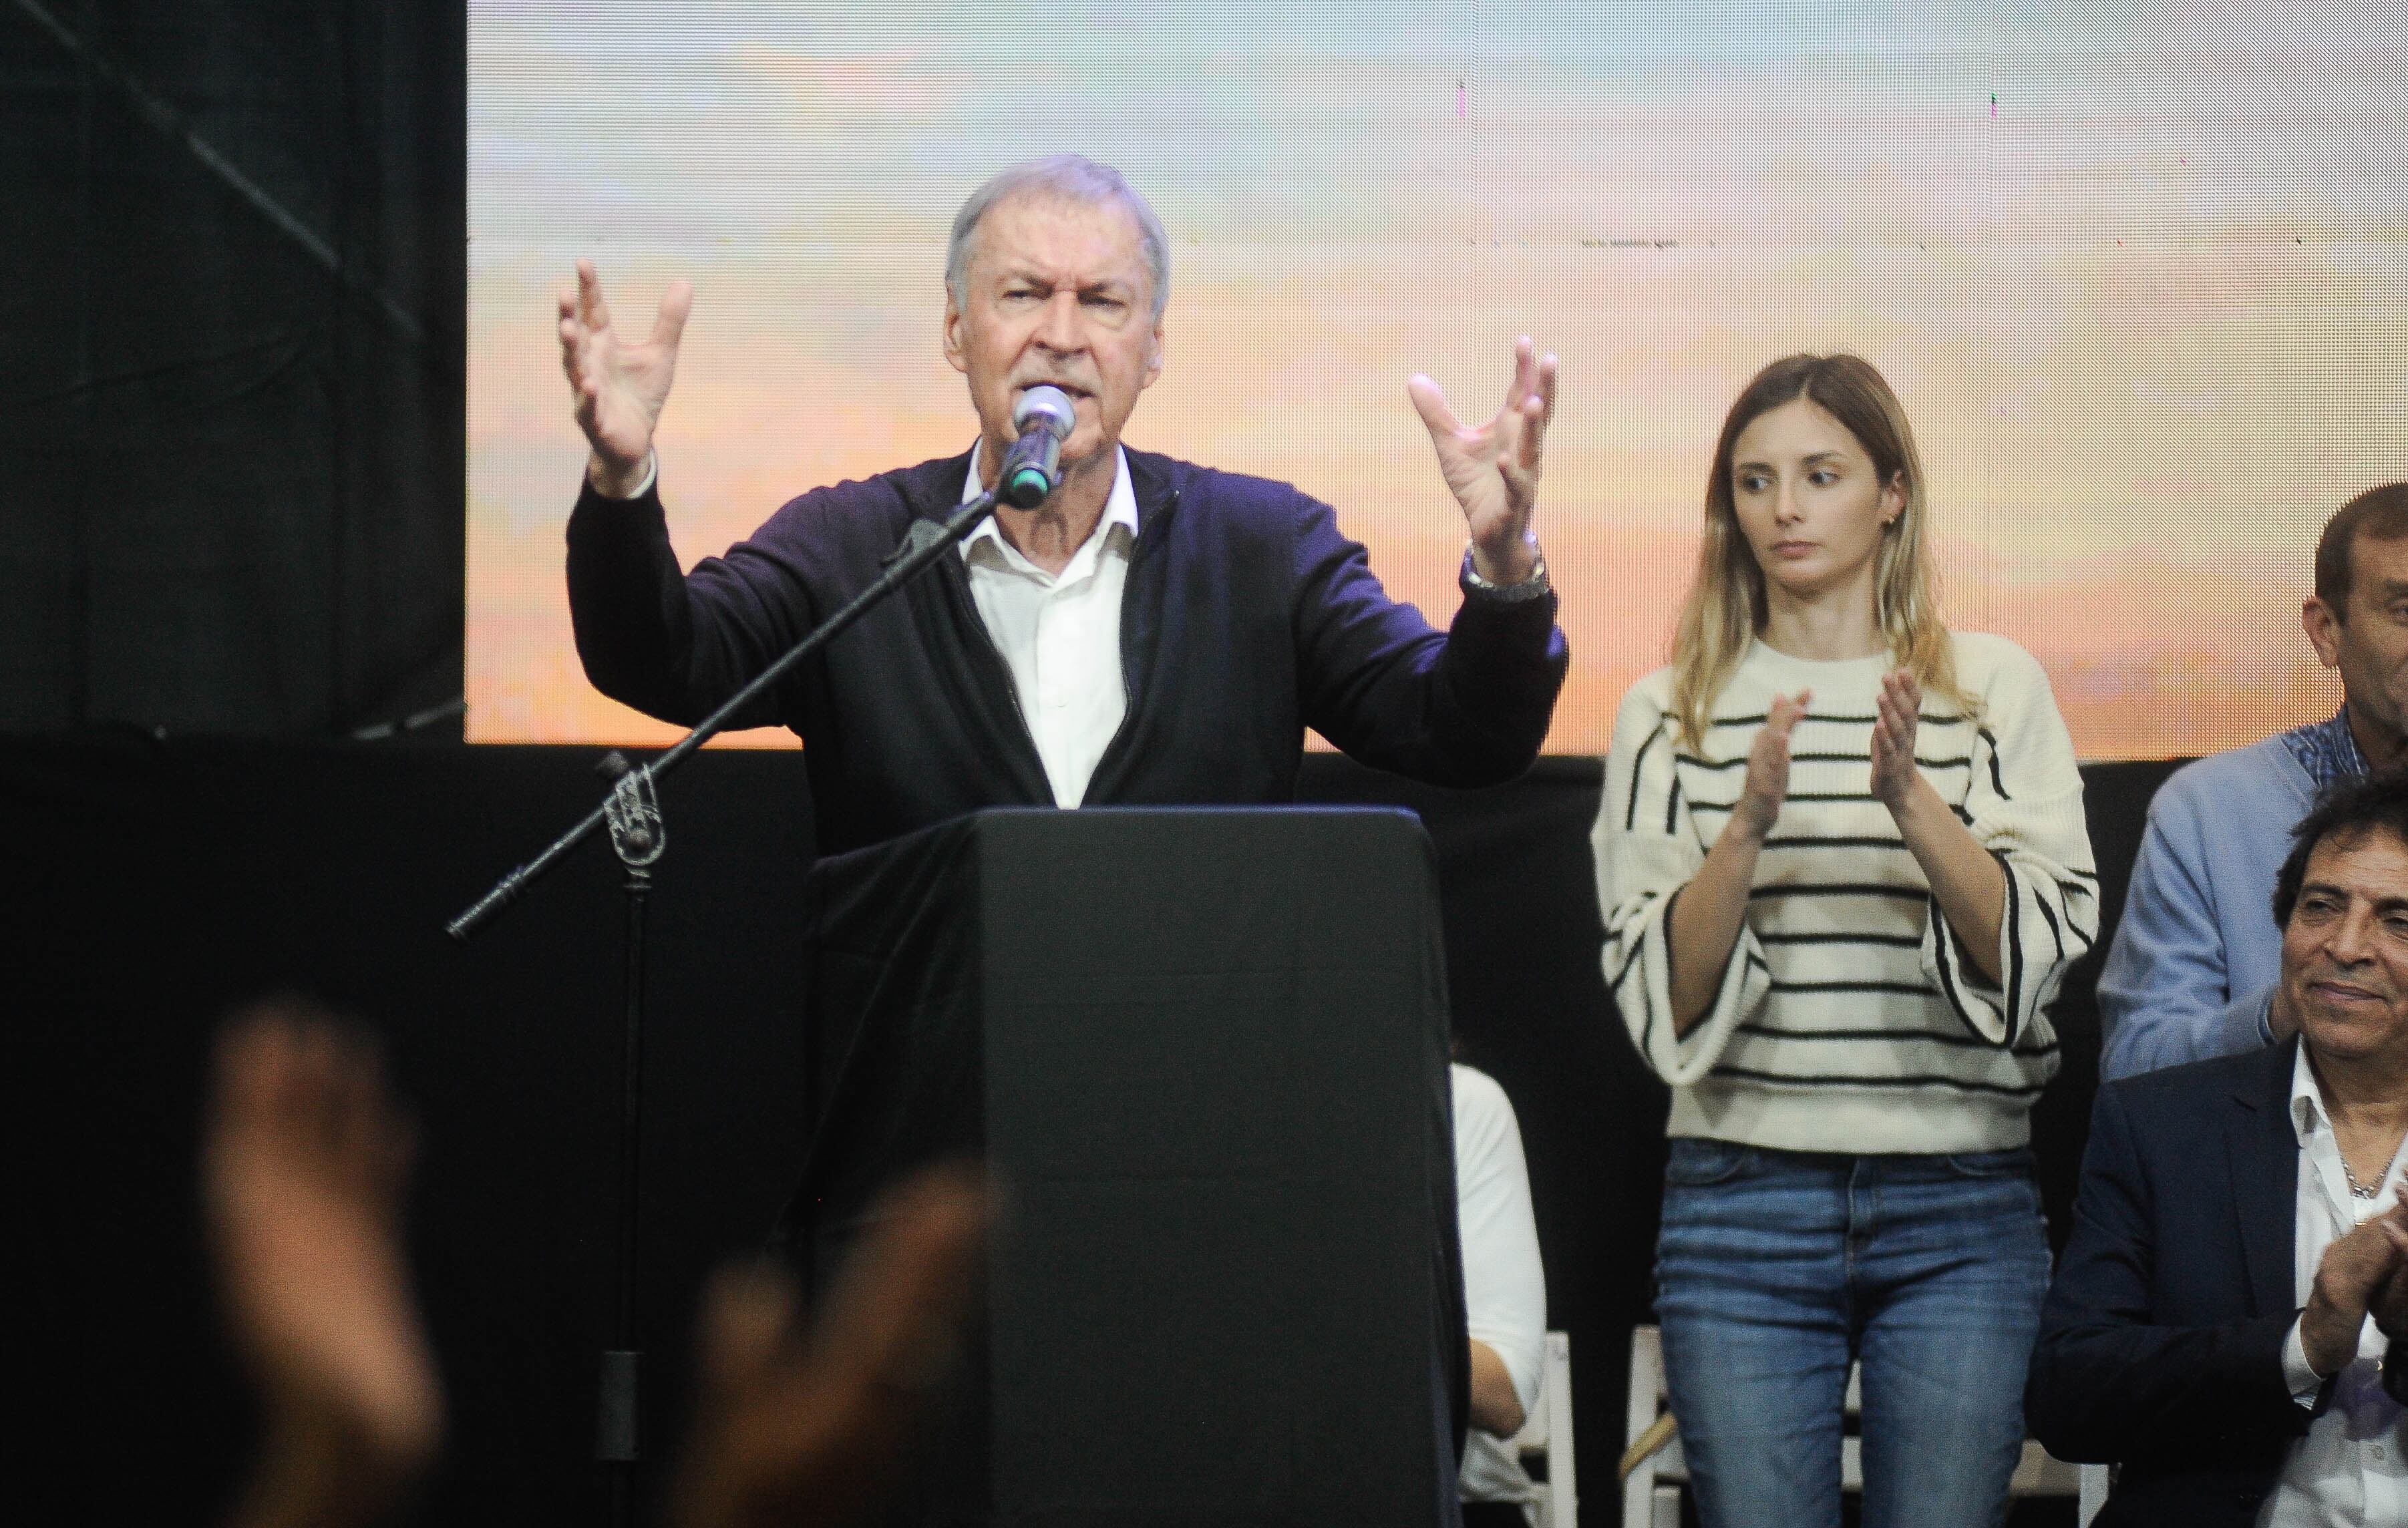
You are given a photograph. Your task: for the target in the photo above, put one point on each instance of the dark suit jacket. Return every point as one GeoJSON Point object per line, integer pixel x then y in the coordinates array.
{"type": "Point", "coordinates": [1247, 617]}
{"type": "Point", "coordinates": [2161, 1343]}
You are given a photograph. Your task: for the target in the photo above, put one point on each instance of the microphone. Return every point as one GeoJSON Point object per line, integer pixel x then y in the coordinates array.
{"type": "Point", "coordinates": [1033, 467]}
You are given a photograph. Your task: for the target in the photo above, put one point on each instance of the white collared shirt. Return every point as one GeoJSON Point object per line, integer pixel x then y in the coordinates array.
{"type": "Point", "coordinates": [1060, 634]}
{"type": "Point", "coordinates": [2348, 1469]}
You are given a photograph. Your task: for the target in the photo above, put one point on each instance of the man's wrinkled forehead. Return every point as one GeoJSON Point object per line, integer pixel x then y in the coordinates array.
{"type": "Point", "coordinates": [1104, 243]}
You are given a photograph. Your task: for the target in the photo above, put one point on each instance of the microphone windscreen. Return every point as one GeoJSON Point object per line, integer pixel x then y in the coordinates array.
{"type": "Point", "coordinates": [1050, 404]}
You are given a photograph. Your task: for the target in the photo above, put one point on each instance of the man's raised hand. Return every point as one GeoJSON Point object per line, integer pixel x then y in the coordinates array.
{"type": "Point", "coordinates": [1494, 470]}
{"type": "Point", "coordinates": [617, 388]}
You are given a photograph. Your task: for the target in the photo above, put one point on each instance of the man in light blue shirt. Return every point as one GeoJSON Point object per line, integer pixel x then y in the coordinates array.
{"type": "Point", "coordinates": [2192, 970]}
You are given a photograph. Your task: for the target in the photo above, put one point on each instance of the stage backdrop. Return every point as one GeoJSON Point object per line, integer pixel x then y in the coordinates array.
{"type": "Point", "coordinates": [2138, 271]}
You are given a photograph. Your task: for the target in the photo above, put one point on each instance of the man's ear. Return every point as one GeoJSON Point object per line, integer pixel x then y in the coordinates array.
{"type": "Point", "coordinates": [2322, 623]}
{"type": "Point", "coordinates": [1153, 357]}
{"type": "Point", "coordinates": [953, 353]}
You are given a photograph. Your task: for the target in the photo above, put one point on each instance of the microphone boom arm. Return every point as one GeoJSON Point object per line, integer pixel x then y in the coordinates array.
{"type": "Point", "coordinates": [920, 548]}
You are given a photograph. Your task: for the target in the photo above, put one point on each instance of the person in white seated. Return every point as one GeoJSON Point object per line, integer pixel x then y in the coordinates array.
{"type": "Point", "coordinates": [1504, 1298]}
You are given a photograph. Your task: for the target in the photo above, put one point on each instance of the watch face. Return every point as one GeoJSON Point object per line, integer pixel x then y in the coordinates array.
{"type": "Point", "coordinates": [1530, 587]}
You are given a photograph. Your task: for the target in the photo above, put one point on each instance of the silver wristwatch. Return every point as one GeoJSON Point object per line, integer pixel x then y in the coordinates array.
{"type": "Point", "coordinates": [1505, 593]}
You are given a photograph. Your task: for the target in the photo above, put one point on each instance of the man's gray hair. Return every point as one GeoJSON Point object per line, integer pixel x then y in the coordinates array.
{"type": "Point", "coordinates": [1072, 177]}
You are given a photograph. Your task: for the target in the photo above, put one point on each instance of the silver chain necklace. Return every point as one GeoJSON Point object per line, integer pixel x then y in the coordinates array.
{"type": "Point", "coordinates": [2358, 1190]}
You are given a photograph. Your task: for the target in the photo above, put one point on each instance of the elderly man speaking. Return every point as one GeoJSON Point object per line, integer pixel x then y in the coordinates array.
{"type": "Point", "coordinates": [1156, 633]}
{"type": "Point", "coordinates": [2221, 1322]}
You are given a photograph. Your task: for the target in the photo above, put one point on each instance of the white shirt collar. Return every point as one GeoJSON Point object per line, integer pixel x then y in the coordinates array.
{"type": "Point", "coordinates": [2310, 1119]}
{"type": "Point", "coordinates": [1120, 509]}
{"type": "Point", "coordinates": [2308, 1116]}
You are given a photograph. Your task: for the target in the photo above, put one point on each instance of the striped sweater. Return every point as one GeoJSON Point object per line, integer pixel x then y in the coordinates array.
{"type": "Point", "coordinates": [1849, 1019]}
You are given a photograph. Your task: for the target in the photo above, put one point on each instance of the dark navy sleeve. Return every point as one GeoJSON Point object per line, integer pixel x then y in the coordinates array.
{"type": "Point", "coordinates": [1465, 707]}
{"type": "Point", "coordinates": [676, 645]}
{"type": "Point", "coordinates": [2110, 1380]}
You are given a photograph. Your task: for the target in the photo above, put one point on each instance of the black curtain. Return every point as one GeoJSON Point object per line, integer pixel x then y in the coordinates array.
{"type": "Point", "coordinates": [149, 884]}
{"type": "Point", "coordinates": [233, 286]}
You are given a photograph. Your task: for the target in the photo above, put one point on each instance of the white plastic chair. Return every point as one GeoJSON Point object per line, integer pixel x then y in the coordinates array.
{"type": "Point", "coordinates": [1547, 1433]}
{"type": "Point", "coordinates": [1654, 1470]}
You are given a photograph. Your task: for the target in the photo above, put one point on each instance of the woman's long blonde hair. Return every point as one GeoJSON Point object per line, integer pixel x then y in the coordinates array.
{"type": "Point", "coordinates": [1725, 608]}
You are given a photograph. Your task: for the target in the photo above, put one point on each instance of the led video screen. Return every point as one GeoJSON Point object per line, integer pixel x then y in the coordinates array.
{"type": "Point", "coordinates": [2140, 273]}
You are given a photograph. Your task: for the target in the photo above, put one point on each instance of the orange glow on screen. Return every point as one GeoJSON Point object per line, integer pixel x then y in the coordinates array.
{"type": "Point", "coordinates": [2143, 298]}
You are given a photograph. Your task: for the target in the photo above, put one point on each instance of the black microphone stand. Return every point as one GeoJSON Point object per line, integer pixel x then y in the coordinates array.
{"type": "Point", "coordinates": [633, 814]}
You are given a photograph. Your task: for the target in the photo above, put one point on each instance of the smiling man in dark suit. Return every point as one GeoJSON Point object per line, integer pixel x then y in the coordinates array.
{"type": "Point", "coordinates": [2238, 1267]}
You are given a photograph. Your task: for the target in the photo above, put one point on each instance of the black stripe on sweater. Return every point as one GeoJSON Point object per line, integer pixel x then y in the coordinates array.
{"type": "Point", "coordinates": [1695, 763]}
{"type": "Point", "coordinates": [1897, 941]}
{"type": "Point", "coordinates": [1632, 958]}
{"type": "Point", "coordinates": [1997, 781]}
{"type": "Point", "coordinates": [1909, 989]}
{"type": "Point", "coordinates": [1833, 843]}
{"type": "Point", "coordinates": [1639, 761]}
{"type": "Point", "coordinates": [1920, 1080]}
{"type": "Point", "coordinates": [1647, 1029]}
{"type": "Point", "coordinates": [1925, 1036]}
{"type": "Point", "coordinates": [2053, 931]}
{"type": "Point", "coordinates": [1696, 806]}
{"type": "Point", "coordinates": [2016, 894]}
{"type": "Point", "coordinates": [2072, 888]}
{"type": "Point", "coordinates": [1906, 894]}
{"type": "Point", "coordinates": [1948, 976]}
{"type": "Point", "coordinates": [1760, 718]}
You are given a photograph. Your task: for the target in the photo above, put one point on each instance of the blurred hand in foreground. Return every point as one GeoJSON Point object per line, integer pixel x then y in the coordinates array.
{"type": "Point", "coordinates": [304, 1165]}
{"type": "Point", "coordinates": [794, 1427]}
{"type": "Point", "coordinates": [302, 1169]}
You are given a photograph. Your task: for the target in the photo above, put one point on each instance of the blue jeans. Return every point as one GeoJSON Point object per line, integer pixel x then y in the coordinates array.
{"type": "Point", "coordinates": [1777, 1268]}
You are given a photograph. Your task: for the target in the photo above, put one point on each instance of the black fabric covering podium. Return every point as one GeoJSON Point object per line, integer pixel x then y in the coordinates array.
{"type": "Point", "coordinates": [1204, 1054]}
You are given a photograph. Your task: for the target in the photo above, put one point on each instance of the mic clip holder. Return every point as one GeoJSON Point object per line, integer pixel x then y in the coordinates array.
{"type": "Point", "coordinates": [633, 811]}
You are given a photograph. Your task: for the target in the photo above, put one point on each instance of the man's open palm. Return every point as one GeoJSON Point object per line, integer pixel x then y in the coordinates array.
{"type": "Point", "coordinates": [1494, 469]}
{"type": "Point", "coordinates": [618, 388]}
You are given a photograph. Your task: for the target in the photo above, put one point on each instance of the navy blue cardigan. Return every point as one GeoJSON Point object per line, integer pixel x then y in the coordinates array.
{"type": "Point", "coordinates": [1246, 619]}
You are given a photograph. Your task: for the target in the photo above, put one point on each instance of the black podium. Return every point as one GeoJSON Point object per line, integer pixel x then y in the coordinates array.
{"type": "Point", "coordinates": [1204, 1055]}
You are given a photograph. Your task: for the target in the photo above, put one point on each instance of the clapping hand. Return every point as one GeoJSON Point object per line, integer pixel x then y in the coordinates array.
{"type": "Point", "coordinates": [302, 1173]}
{"type": "Point", "coordinates": [1494, 470]}
{"type": "Point", "coordinates": [805, 1426]}
{"type": "Point", "coordinates": [618, 388]}
{"type": "Point", "coordinates": [2390, 1304]}
{"type": "Point", "coordinates": [1767, 766]}
{"type": "Point", "coordinates": [1899, 712]}
{"type": "Point", "coordinates": [2353, 1278]}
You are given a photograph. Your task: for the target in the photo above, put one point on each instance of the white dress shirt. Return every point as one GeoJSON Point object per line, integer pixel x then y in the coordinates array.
{"type": "Point", "coordinates": [1060, 634]}
{"type": "Point", "coordinates": [2348, 1469]}
{"type": "Point", "coordinates": [1504, 1289]}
